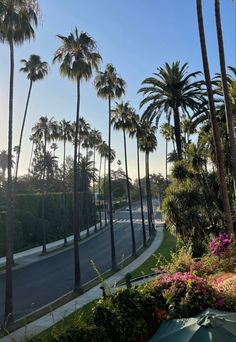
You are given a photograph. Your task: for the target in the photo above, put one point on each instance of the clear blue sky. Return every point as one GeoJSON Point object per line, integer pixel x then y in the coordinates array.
{"type": "Point", "coordinates": [136, 36]}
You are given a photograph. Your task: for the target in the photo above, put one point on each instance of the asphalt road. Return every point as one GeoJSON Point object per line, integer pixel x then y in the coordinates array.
{"type": "Point", "coordinates": [37, 284]}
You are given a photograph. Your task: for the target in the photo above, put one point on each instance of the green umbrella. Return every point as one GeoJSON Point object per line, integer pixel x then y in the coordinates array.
{"type": "Point", "coordinates": [210, 326]}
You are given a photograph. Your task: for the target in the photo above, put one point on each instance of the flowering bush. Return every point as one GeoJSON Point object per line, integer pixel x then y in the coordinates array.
{"type": "Point", "coordinates": [219, 244]}
{"type": "Point", "coordinates": [225, 283]}
{"type": "Point", "coordinates": [182, 261]}
{"type": "Point", "coordinates": [184, 294]}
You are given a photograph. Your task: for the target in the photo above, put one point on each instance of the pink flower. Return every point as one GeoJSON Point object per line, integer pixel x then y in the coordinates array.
{"type": "Point", "coordinates": [219, 302]}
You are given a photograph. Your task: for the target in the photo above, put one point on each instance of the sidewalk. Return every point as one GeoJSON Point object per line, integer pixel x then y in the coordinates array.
{"type": "Point", "coordinates": [60, 313]}
{"type": "Point", "coordinates": [34, 254]}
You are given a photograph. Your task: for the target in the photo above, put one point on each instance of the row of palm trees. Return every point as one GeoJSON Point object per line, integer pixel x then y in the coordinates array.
{"type": "Point", "coordinates": [169, 91]}
{"type": "Point", "coordinates": [123, 117]}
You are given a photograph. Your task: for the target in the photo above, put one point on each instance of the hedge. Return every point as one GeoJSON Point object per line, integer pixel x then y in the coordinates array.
{"type": "Point", "coordinates": [28, 221]}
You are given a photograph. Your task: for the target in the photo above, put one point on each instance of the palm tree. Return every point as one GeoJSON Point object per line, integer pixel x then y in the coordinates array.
{"type": "Point", "coordinates": [86, 142]}
{"type": "Point", "coordinates": [78, 56]}
{"type": "Point", "coordinates": [169, 90]}
{"type": "Point", "coordinates": [35, 140]}
{"type": "Point", "coordinates": [110, 86]}
{"type": "Point", "coordinates": [44, 130]}
{"type": "Point", "coordinates": [17, 19]}
{"type": "Point", "coordinates": [102, 150]}
{"type": "Point", "coordinates": [54, 147]}
{"type": "Point", "coordinates": [136, 131]}
{"type": "Point", "coordinates": [84, 129]}
{"type": "Point", "coordinates": [167, 132]}
{"type": "Point", "coordinates": [228, 104]}
{"type": "Point", "coordinates": [214, 123]}
{"type": "Point", "coordinates": [112, 154]}
{"type": "Point", "coordinates": [95, 138]}
{"type": "Point", "coordinates": [65, 134]}
{"type": "Point", "coordinates": [3, 163]}
{"type": "Point", "coordinates": [36, 70]}
{"type": "Point", "coordinates": [148, 143]}
{"type": "Point", "coordinates": [122, 120]}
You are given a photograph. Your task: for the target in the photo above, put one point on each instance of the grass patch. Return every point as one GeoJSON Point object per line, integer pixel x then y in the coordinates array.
{"type": "Point", "coordinates": [167, 245]}
{"type": "Point", "coordinates": [81, 315]}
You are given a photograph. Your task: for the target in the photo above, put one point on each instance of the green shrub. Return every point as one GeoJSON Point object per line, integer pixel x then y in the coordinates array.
{"type": "Point", "coordinates": [28, 224]}
{"type": "Point", "coordinates": [127, 315]}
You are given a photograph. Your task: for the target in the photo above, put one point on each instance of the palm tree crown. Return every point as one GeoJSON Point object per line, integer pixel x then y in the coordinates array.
{"type": "Point", "coordinates": [147, 137]}
{"type": "Point", "coordinates": [17, 19]}
{"type": "Point", "coordinates": [34, 68]}
{"type": "Point", "coordinates": [169, 90]}
{"type": "Point", "coordinates": [122, 116]}
{"type": "Point", "coordinates": [65, 131]}
{"type": "Point", "coordinates": [109, 84]}
{"type": "Point", "coordinates": [45, 128]}
{"type": "Point", "coordinates": [78, 55]}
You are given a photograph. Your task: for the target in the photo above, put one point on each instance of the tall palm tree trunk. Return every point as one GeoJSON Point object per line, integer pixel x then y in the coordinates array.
{"type": "Point", "coordinates": [150, 196]}
{"type": "Point", "coordinates": [99, 190]}
{"type": "Point", "coordinates": [129, 197]}
{"type": "Point", "coordinates": [141, 196]}
{"type": "Point", "coordinates": [215, 127]}
{"type": "Point", "coordinates": [177, 132]}
{"type": "Point", "coordinates": [77, 283]}
{"type": "Point", "coordinates": [79, 148]}
{"type": "Point", "coordinates": [166, 157]}
{"type": "Point", "coordinates": [113, 250]}
{"type": "Point", "coordinates": [44, 248]}
{"type": "Point", "coordinates": [94, 195]}
{"type": "Point", "coordinates": [64, 193]}
{"type": "Point", "coordinates": [22, 130]}
{"type": "Point", "coordinates": [104, 190]}
{"type": "Point", "coordinates": [8, 315]}
{"type": "Point", "coordinates": [31, 156]}
{"type": "Point", "coordinates": [147, 194]}
{"type": "Point", "coordinates": [228, 105]}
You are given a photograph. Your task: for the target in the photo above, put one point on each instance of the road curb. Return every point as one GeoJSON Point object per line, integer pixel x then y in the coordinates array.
{"type": "Point", "coordinates": [45, 322]}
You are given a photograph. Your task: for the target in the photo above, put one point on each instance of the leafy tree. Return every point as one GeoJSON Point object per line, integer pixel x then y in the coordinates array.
{"type": "Point", "coordinates": [158, 185]}
{"type": "Point", "coordinates": [192, 205]}
{"type": "Point", "coordinates": [110, 86]}
{"type": "Point", "coordinates": [78, 56]}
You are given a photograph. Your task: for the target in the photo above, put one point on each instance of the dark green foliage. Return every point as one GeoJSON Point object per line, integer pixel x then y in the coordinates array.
{"type": "Point", "coordinates": [128, 315]}
{"type": "Point", "coordinates": [192, 206]}
{"type": "Point", "coordinates": [28, 222]}
{"type": "Point", "coordinates": [180, 170]}
{"type": "Point", "coordinates": [89, 333]}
